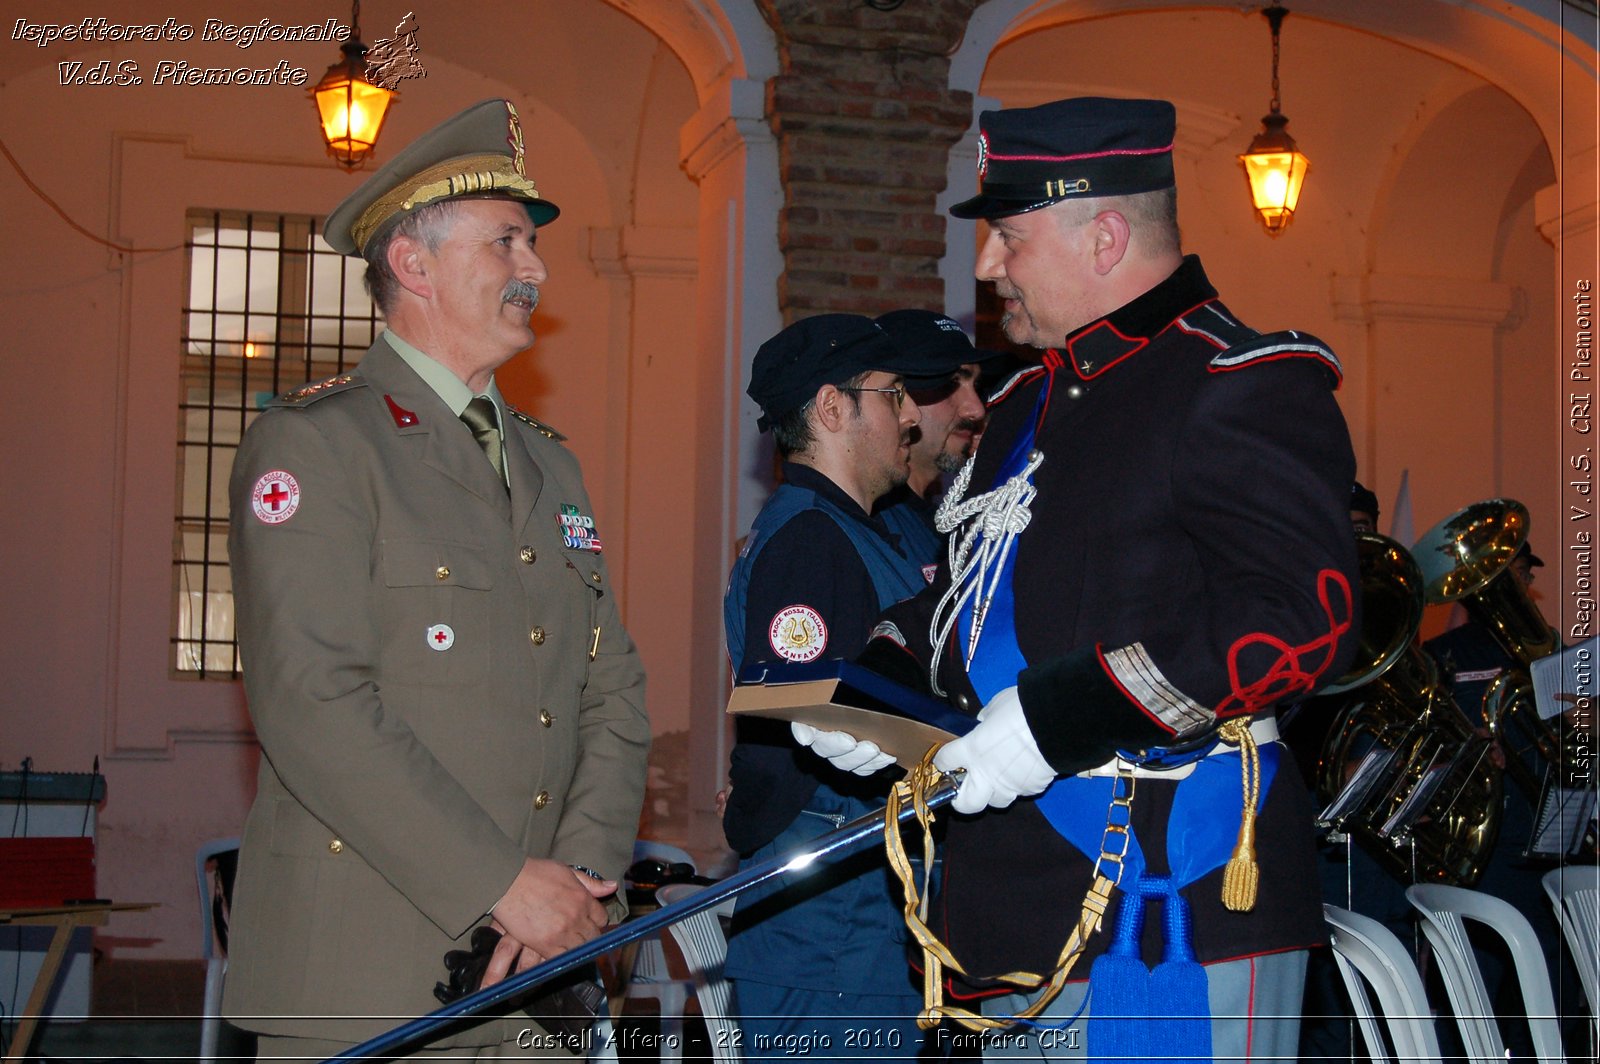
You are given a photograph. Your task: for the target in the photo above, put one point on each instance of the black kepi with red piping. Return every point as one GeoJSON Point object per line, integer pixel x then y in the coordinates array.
{"type": "Point", "coordinates": [1031, 157]}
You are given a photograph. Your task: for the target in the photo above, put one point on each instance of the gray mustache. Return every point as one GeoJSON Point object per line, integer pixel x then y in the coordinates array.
{"type": "Point", "coordinates": [520, 290]}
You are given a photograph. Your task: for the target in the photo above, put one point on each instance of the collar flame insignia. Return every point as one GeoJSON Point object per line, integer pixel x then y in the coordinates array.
{"type": "Point", "coordinates": [514, 137]}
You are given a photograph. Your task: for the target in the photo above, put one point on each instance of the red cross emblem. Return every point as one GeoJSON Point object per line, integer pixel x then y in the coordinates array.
{"type": "Point", "coordinates": [441, 637]}
{"type": "Point", "coordinates": [275, 497]}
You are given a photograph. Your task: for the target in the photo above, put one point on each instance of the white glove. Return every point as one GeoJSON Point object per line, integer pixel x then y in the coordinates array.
{"type": "Point", "coordinates": [1002, 761]}
{"type": "Point", "coordinates": [843, 751]}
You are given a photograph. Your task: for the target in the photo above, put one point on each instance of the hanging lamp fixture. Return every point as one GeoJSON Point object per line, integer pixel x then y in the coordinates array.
{"type": "Point", "coordinates": [350, 107]}
{"type": "Point", "coordinates": [1273, 165]}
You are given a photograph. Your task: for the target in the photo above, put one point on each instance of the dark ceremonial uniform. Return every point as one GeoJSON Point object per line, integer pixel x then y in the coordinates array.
{"type": "Point", "coordinates": [1189, 557]}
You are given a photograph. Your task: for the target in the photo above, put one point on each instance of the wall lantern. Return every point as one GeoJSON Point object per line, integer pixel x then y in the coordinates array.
{"type": "Point", "coordinates": [1273, 165]}
{"type": "Point", "coordinates": [351, 108]}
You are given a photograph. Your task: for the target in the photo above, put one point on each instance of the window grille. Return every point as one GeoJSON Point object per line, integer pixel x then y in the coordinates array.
{"type": "Point", "coordinates": [269, 306]}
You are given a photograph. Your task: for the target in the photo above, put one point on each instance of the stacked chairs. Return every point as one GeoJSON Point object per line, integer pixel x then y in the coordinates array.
{"type": "Point", "coordinates": [1368, 954]}
{"type": "Point", "coordinates": [1575, 893]}
{"type": "Point", "coordinates": [704, 947]}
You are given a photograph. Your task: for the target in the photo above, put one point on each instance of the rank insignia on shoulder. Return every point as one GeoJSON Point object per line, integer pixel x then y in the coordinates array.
{"type": "Point", "coordinates": [535, 424]}
{"type": "Point", "coordinates": [320, 390]}
{"type": "Point", "coordinates": [1273, 346]}
{"type": "Point", "coordinates": [577, 529]}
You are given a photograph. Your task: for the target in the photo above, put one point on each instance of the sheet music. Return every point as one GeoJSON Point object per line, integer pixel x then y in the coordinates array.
{"type": "Point", "coordinates": [1569, 671]}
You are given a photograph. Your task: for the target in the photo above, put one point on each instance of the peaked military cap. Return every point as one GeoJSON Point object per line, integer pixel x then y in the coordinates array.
{"type": "Point", "coordinates": [1031, 157]}
{"type": "Point", "coordinates": [822, 349]}
{"type": "Point", "coordinates": [935, 345]}
{"type": "Point", "coordinates": [476, 153]}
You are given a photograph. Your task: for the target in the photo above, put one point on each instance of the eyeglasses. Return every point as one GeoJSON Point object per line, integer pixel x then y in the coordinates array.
{"type": "Point", "coordinates": [898, 391]}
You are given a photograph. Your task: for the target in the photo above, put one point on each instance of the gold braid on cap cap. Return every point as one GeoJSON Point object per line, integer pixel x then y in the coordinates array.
{"type": "Point", "coordinates": [457, 177]}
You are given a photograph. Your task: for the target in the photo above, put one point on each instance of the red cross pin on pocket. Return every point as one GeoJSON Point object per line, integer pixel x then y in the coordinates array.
{"type": "Point", "coordinates": [275, 497]}
{"type": "Point", "coordinates": [441, 637]}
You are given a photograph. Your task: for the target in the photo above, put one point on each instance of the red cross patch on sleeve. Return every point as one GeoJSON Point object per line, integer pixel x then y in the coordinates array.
{"type": "Point", "coordinates": [275, 497]}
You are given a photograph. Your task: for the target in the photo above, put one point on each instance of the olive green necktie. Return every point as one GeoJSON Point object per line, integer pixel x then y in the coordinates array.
{"type": "Point", "coordinates": [481, 417]}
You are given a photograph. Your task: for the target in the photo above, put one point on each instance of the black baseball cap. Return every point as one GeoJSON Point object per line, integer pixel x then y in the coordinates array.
{"type": "Point", "coordinates": [823, 349]}
{"type": "Point", "coordinates": [1031, 157]}
{"type": "Point", "coordinates": [1362, 499]}
{"type": "Point", "coordinates": [935, 345]}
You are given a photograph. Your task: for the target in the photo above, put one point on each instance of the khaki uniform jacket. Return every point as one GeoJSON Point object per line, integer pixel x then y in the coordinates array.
{"type": "Point", "coordinates": [401, 785]}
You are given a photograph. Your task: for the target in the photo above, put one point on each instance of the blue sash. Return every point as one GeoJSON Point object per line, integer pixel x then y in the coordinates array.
{"type": "Point", "coordinates": [1165, 1013]}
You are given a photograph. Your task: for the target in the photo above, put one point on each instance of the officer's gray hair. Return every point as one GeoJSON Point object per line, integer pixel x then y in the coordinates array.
{"type": "Point", "coordinates": [430, 224]}
{"type": "Point", "coordinates": [1152, 217]}
{"type": "Point", "coordinates": [792, 432]}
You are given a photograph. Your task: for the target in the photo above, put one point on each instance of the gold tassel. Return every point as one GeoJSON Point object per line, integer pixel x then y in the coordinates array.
{"type": "Point", "coordinates": [1242, 876]}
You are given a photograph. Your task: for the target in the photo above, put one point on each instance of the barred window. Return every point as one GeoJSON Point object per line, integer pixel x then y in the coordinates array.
{"type": "Point", "coordinates": [269, 306]}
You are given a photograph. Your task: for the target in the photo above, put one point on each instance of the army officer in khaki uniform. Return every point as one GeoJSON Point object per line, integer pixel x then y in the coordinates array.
{"type": "Point", "coordinates": [451, 715]}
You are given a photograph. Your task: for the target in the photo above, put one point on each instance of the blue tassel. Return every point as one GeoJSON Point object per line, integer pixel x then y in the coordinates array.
{"type": "Point", "coordinates": [1179, 993]}
{"type": "Point", "coordinates": [1119, 990]}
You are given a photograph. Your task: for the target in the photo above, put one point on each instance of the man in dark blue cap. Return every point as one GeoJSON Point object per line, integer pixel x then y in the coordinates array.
{"type": "Point", "coordinates": [952, 420]}
{"type": "Point", "coordinates": [822, 957]}
{"type": "Point", "coordinates": [1155, 551]}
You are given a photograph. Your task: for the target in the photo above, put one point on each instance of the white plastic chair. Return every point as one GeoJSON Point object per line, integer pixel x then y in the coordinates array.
{"type": "Point", "coordinates": [216, 960]}
{"type": "Point", "coordinates": [1575, 893]}
{"type": "Point", "coordinates": [705, 949]}
{"type": "Point", "coordinates": [1369, 953]}
{"type": "Point", "coordinates": [1444, 910]}
{"type": "Point", "coordinates": [649, 977]}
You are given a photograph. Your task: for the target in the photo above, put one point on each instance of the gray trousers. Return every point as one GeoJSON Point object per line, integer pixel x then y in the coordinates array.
{"type": "Point", "coordinates": [1255, 1015]}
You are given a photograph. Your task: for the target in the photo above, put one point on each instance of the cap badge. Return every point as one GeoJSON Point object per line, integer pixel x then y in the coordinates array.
{"type": "Point", "coordinates": [983, 155]}
{"type": "Point", "coordinates": [514, 137]}
{"type": "Point", "coordinates": [798, 633]}
{"type": "Point", "coordinates": [1065, 187]}
{"type": "Point", "coordinates": [275, 497]}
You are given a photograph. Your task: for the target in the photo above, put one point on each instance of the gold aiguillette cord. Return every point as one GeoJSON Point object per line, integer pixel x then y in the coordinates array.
{"type": "Point", "coordinates": [936, 956]}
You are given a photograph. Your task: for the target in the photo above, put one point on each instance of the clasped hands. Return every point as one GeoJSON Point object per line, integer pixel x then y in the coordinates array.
{"type": "Point", "coordinates": [1001, 758]}
{"type": "Point", "coordinates": [549, 909]}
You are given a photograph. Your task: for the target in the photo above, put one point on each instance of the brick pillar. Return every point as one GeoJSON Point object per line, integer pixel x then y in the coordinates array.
{"type": "Point", "coordinates": [864, 118]}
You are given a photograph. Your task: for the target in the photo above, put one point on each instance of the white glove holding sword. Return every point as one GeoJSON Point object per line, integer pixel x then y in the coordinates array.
{"type": "Point", "coordinates": [1002, 761]}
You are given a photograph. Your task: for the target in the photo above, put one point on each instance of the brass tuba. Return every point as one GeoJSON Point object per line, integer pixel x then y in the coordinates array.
{"type": "Point", "coordinates": [1465, 558]}
{"type": "Point", "coordinates": [1402, 772]}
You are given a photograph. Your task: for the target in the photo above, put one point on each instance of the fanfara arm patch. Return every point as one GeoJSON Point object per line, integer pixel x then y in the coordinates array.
{"type": "Point", "coordinates": [535, 424]}
{"type": "Point", "coordinates": [798, 633]}
{"type": "Point", "coordinates": [320, 390]}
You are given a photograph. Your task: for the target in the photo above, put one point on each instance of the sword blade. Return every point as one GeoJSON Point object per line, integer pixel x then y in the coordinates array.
{"type": "Point", "coordinates": [843, 840]}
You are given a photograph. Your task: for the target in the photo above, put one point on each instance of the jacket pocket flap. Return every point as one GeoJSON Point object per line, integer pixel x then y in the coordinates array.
{"type": "Point", "coordinates": [434, 563]}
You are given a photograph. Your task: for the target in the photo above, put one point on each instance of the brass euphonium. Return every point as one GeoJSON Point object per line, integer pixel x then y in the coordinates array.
{"type": "Point", "coordinates": [1402, 772]}
{"type": "Point", "coordinates": [1466, 558]}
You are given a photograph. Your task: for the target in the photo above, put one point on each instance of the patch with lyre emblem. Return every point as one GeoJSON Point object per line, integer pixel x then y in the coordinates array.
{"type": "Point", "coordinates": [798, 633]}
{"type": "Point", "coordinates": [275, 497]}
{"type": "Point", "coordinates": [441, 637]}
{"type": "Point", "coordinates": [577, 529]}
